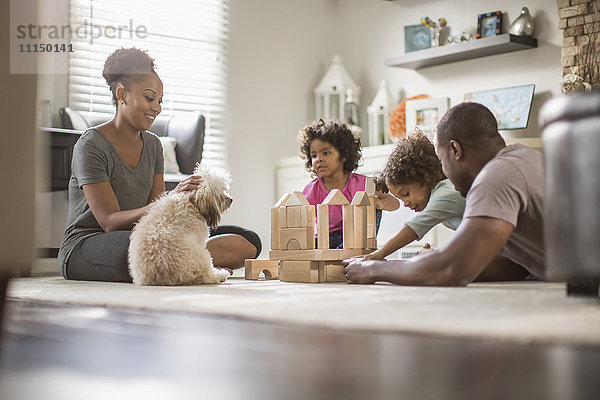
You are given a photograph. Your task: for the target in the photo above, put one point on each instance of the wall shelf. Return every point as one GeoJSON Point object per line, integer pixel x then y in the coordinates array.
{"type": "Point", "coordinates": [498, 44]}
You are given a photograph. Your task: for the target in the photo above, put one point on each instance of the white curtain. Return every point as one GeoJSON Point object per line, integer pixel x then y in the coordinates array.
{"type": "Point", "coordinates": [187, 39]}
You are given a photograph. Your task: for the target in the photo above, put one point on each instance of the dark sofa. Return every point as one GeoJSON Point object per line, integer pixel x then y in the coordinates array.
{"type": "Point", "coordinates": [188, 128]}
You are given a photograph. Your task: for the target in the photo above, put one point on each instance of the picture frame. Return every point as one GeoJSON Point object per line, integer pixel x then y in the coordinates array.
{"type": "Point", "coordinates": [489, 24]}
{"type": "Point", "coordinates": [425, 114]}
{"type": "Point", "coordinates": [416, 37]}
{"type": "Point", "coordinates": [510, 105]}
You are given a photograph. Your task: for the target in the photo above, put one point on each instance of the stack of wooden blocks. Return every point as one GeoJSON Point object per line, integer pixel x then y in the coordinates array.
{"type": "Point", "coordinates": [293, 253]}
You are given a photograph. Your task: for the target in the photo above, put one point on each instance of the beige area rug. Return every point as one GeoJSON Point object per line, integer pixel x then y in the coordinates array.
{"type": "Point", "coordinates": [524, 311]}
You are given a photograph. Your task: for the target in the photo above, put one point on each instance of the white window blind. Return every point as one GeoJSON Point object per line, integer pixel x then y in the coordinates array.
{"type": "Point", "coordinates": [186, 38]}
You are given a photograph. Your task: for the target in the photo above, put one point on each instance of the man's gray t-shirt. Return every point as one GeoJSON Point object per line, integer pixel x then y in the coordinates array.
{"type": "Point", "coordinates": [445, 206]}
{"type": "Point", "coordinates": [95, 160]}
{"type": "Point", "coordinates": [510, 187]}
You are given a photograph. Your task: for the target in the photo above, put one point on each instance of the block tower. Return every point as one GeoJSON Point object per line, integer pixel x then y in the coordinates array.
{"type": "Point", "coordinates": [293, 237]}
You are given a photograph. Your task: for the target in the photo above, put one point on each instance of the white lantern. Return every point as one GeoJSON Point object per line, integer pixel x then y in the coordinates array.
{"type": "Point", "coordinates": [330, 93]}
{"type": "Point", "coordinates": [379, 115]}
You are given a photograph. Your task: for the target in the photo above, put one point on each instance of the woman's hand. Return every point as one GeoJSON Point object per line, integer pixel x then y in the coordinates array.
{"type": "Point", "coordinates": [190, 183]}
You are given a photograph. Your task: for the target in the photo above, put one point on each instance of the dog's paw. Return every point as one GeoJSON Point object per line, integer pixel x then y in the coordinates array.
{"type": "Point", "coordinates": [226, 269]}
{"type": "Point", "coordinates": [221, 274]}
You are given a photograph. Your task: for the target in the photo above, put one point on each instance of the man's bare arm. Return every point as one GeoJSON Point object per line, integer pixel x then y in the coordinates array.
{"type": "Point", "coordinates": [477, 241]}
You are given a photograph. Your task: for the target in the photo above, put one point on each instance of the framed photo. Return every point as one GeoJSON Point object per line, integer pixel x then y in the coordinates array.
{"type": "Point", "coordinates": [511, 105]}
{"type": "Point", "coordinates": [489, 24]}
{"type": "Point", "coordinates": [425, 114]}
{"type": "Point", "coordinates": [416, 37]}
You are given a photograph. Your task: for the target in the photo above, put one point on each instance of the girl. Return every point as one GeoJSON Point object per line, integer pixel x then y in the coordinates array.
{"type": "Point", "coordinates": [117, 171]}
{"type": "Point", "coordinates": [331, 153]}
{"type": "Point", "coordinates": [413, 174]}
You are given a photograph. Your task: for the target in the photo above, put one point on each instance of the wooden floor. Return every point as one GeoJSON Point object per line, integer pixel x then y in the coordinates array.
{"type": "Point", "coordinates": [71, 352]}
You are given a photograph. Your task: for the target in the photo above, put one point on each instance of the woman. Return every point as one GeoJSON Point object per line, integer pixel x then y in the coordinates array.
{"type": "Point", "coordinates": [118, 172]}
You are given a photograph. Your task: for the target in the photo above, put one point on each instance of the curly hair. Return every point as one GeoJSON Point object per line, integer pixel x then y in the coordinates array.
{"type": "Point", "coordinates": [335, 133]}
{"type": "Point", "coordinates": [126, 66]}
{"type": "Point", "coordinates": [413, 161]}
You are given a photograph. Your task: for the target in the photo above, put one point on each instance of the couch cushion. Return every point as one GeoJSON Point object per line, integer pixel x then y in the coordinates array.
{"type": "Point", "coordinates": [168, 145]}
{"type": "Point", "coordinates": [71, 119]}
{"type": "Point", "coordinates": [188, 129]}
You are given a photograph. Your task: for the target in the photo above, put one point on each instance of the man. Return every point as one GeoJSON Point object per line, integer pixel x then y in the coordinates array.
{"type": "Point", "coordinates": [502, 226]}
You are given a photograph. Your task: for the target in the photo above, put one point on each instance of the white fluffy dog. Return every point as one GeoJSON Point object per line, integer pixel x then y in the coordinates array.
{"type": "Point", "coordinates": [168, 245]}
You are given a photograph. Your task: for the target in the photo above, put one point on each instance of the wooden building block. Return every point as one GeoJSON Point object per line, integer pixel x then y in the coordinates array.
{"type": "Point", "coordinates": [283, 217]}
{"type": "Point", "coordinates": [323, 226]}
{"type": "Point", "coordinates": [360, 227]}
{"type": "Point", "coordinates": [322, 273]}
{"type": "Point", "coordinates": [360, 199]}
{"type": "Point", "coordinates": [334, 273]}
{"type": "Point", "coordinates": [253, 268]}
{"type": "Point", "coordinates": [314, 272]}
{"type": "Point", "coordinates": [372, 244]}
{"type": "Point", "coordinates": [348, 226]}
{"type": "Point", "coordinates": [371, 229]}
{"type": "Point", "coordinates": [297, 199]}
{"type": "Point", "coordinates": [307, 215]}
{"type": "Point", "coordinates": [293, 216]}
{"type": "Point", "coordinates": [297, 238]}
{"type": "Point", "coordinates": [362, 252]}
{"type": "Point", "coordinates": [282, 200]}
{"type": "Point", "coordinates": [275, 243]}
{"type": "Point", "coordinates": [336, 197]}
{"type": "Point", "coordinates": [316, 254]}
{"type": "Point", "coordinates": [299, 271]}
{"type": "Point", "coordinates": [371, 220]}
{"type": "Point", "coordinates": [370, 186]}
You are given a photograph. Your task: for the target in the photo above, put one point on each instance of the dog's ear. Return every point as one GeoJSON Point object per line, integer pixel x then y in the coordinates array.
{"type": "Point", "coordinates": [207, 205]}
{"type": "Point", "coordinates": [212, 215]}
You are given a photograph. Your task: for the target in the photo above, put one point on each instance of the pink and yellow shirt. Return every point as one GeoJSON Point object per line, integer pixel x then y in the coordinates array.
{"type": "Point", "coordinates": [315, 192]}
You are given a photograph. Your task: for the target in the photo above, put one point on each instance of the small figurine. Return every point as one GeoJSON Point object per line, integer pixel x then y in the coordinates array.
{"type": "Point", "coordinates": [523, 25]}
{"type": "Point", "coordinates": [434, 28]}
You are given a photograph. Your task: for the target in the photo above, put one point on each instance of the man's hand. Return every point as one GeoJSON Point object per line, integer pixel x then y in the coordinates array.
{"type": "Point", "coordinates": [359, 270]}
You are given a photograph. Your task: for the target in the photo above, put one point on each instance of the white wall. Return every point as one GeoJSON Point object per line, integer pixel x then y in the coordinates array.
{"type": "Point", "coordinates": [380, 34]}
{"type": "Point", "coordinates": [279, 50]}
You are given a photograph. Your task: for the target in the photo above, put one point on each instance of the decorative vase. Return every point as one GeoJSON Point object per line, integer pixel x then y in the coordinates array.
{"type": "Point", "coordinates": [523, 25]}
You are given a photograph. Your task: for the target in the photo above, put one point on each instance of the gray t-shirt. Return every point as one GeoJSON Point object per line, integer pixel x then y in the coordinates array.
{"type": "Point", "coordinates": [95, 160]}
{"type": "Point", "coordinates": [510, 187]}
{"type": "Point", "coordinates": [445, 206]}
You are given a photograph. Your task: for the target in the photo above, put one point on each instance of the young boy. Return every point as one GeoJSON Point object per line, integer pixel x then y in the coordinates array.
{"type": "Point", "coordinates": [413, 174]}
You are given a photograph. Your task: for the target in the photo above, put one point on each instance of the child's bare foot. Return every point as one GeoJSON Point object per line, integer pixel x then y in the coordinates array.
{"type": "Point", "coordinates": [425, 249]}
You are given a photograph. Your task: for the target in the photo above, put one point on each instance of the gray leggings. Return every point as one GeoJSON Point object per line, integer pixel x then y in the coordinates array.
{"type": "Point", "coordinates": [103, 257]}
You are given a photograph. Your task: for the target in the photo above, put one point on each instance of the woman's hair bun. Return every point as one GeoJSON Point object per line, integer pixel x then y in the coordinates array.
{"type": "Point", "coordinates": [124, 65]}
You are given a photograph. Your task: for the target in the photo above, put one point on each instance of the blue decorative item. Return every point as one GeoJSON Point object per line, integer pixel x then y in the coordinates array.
{"type": "Point", "coordinates": [511, 106]}
{"type": "Point", "coordinates": [489, 24]}
{"type": "Point", "coordinates": [416, 37]}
